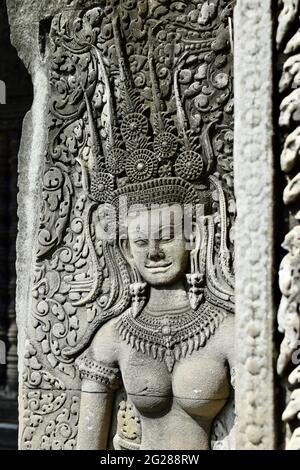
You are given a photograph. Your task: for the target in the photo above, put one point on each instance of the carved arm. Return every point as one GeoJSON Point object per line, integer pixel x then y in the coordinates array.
{"type": "Point", "coordinates": [95, 416]}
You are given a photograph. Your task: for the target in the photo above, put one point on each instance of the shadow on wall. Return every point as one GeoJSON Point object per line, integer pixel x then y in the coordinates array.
{"type": "Point", "coordinates": [15, 100]}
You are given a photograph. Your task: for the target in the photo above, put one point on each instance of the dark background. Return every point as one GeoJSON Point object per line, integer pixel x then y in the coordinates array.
{"type": "Point", "coordinates": [18, 102]}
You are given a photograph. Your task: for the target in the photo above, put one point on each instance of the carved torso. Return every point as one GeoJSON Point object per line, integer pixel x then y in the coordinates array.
{"type": "Point", "coordinates": [185, 400]}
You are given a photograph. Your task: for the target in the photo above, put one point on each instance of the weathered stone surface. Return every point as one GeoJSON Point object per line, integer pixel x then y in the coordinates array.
{"type": "Point", "coordinates": [14, 104]}
{"type": "Point", "coordinates": [96, 144]}
{"type": "Point", "coordinates": [253, 159]}
{"type": "Point", "coordinates": [137, 101]}
{"type": "Point", "coordinates": [25, 18]}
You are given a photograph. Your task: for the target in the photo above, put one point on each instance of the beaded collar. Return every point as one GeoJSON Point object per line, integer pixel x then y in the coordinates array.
{"type": "Point", "coordinates": [170, 336]}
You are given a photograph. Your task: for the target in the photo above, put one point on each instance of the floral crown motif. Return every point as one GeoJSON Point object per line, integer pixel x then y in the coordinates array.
{"type": "Point", "coordinates": [164, 146]}
{"type": "Point", "coordinates": [152, 158]}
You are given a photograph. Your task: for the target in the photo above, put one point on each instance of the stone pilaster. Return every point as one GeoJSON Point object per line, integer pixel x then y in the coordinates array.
{"type": "Point", "coordinates": [254, 167]}
{"type": "Point", "coordinates": [12, 357]}
{"type": "Point", "coordinates": [4, 220]}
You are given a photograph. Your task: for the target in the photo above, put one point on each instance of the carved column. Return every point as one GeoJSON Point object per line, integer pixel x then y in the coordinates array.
{"type": "Point", "coordinates": [254, 167]}
{"type": "Point", "coordinates": [12, 358]}
{"type": "Point", "coordinates": [4, 191]}
{"type": "Point", "coordinates": [18, 96]}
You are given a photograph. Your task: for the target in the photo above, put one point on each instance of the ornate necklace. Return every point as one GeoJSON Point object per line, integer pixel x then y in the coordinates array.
{"type": "Point", "coordinates": [171, 336]}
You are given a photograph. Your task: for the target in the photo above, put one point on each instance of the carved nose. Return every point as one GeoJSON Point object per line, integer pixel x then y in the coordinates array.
{"type": "Point", "coordinates": [155, 253]}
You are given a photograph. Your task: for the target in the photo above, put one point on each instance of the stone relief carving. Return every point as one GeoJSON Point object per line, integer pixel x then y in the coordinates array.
{"type": "Point", "coordinates": [51, 420]}
{"type": "Point", "coordinates": [141, 108]}
{"type": "Point", "coordinates": [253, 167]}
{"type": "Point", "coordinates": [288, 367]}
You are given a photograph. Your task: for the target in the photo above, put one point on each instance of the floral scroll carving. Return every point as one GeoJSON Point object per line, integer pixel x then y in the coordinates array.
{"type": "Point", "coordinates": [68, 263]}
{"type": "Point", "coordinates": [184, 50]}
{"type": "Point", "coordinates": [288, 43]}
{"type": "Point", "coordinates": [55, 417]}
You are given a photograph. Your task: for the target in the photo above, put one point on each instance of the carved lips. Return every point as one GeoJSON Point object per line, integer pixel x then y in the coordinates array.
{"type": "Point", "coordinates": [159, 267]}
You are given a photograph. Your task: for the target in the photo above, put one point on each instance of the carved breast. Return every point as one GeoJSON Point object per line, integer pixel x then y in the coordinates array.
{"type": "Point", "coordinates": [147, 383]}
{"type": "Point", "coordinates": [199, 384]}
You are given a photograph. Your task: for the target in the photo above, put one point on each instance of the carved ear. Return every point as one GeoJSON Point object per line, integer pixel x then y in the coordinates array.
{"type": "Point", "coordinates": [125, 250]}
{"type": "Point", "coordinates": [197, 236]}
{"type": "Point", "coordinates": [197, 239]}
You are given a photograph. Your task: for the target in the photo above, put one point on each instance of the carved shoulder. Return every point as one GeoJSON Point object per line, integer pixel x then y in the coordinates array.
{"type": "Point", "coordinates": [105, 345]}
{"type": "Point", "coordinates": [98, 365]}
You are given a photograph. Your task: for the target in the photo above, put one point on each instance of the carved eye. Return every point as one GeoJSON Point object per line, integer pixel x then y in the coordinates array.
{"type": "Point", "coordinates": [167, 238]}
{"type": "Point", "coordinates": [141, 242]}
{"type": "Point", "coordinates": [167, 235]}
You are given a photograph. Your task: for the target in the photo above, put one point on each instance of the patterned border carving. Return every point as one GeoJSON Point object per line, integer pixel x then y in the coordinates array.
{"type": "Point", "coordinates": [50, 420]}
{"type": "Point", "coordinates": [254, 193]}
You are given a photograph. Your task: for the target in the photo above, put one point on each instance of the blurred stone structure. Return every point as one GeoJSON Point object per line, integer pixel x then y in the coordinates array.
{"type": "Point", "coordinates": [18, 100]}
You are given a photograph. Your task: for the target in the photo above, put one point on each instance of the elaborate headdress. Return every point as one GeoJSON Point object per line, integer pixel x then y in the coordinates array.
{"type": "Point", "coordinates": [151, 158]}
{"type": "Point", "coordinates": [140, 149]}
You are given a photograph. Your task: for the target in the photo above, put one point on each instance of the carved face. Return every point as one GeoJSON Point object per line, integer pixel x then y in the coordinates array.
{"type": "Point", "coordinates": [157, 245]}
